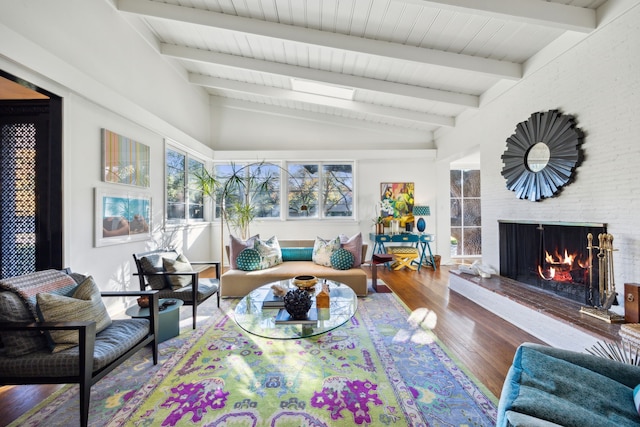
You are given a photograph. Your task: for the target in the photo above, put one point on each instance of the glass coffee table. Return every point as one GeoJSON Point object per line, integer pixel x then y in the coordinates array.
{"type": "Point", "coordinates": [251, 316]}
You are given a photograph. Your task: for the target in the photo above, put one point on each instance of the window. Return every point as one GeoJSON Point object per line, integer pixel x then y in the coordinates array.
{"type": "Point", "coordinates": [184, 199]}
{"type": "Point", "coordinates": [320, 190]}
{"type": "Point", "coordinates": [466, 219]}
{"type": "Point", "coordinates": [254, 186]}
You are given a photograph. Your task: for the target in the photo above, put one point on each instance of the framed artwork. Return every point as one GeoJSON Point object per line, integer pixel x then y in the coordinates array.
{"type": "Point", "coordinates": [121, 216]}
{"type": "Point", "coordinates": [125, 161]}
{"type": "Point", "coordinates": [396, 201]}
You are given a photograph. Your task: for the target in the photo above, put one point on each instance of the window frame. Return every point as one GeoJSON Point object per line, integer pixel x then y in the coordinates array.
{"type": "Point", "coordinates": [188, 189]}
{"type": "Point", "coordinates": [242, 164]}
{"type": "Point", "coordinates": [321, 186]}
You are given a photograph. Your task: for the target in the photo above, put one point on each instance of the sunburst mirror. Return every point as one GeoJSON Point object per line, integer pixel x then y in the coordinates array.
{"type": "Point", "coordinates": [542, 155]}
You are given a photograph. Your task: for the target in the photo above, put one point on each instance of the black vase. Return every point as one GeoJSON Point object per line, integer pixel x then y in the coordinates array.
{"type": "Point", "coordinates": [297, 302]}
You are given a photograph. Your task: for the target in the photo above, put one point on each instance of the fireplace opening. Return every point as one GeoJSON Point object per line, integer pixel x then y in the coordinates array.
{"type": "Point", "coordinates": [552, 256]}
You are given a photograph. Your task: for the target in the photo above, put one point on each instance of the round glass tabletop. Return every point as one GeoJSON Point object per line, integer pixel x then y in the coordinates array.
{"type": "Point", "coordinates": [254, 315]}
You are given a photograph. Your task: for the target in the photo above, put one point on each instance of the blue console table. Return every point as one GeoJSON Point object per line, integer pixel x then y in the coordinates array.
{"type": "Point", "coordinates": [419, 240]}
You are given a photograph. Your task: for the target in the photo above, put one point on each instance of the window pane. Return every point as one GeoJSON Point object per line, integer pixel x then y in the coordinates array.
{"type": "Point", "coordinates": [338, 190]}
{"type": "Point", "coordinates": [456, 183]}
{"type": "Point", "coordinates": [175, 185]}
{"type": "Point", "coordinates": [456, 212]}
{"type": "Point", "coordinates": [265, 193]}
{"type": "Point", "coordinates": [472, 241]}
{"type": "Point", "coordinates": [303, 190]}
{"type": "Point", "coordinates": [196, 198]}
{"type": "Point", "coordinates": [472, 212]}
{"type": "Point", "coordinates": [471, 183]}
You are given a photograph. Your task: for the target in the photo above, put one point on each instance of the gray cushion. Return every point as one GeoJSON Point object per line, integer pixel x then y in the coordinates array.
{"type": "Point", "coordinates": [153, 264]}
{"type": "Point", "coordinates": [110, 344]}
{"type": "Point", "coordinates": [17, 344]}
{"type": "Point", "coordinates": [206, 287]}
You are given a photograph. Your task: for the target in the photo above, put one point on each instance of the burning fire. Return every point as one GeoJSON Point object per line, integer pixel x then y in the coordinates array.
{"type": "Point", "coordinates": [560, 266]}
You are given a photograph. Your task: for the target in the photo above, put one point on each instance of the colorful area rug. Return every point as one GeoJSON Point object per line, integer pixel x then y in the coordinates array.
{"type": "Point", "coordinates": [381, 368]}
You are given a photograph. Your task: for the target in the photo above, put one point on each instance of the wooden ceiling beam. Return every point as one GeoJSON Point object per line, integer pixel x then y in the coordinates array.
{"type": "Point", "coordinates": [543, 13]}
{"type": "Point", "coordinates": [397, 114]}
{"type": "Point", "coordinates": [323, 39]}
{"type": "Point", "coordinates": [294, 71]}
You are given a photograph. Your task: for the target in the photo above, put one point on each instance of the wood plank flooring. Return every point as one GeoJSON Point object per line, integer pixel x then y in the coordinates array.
{"type": "Point", "coordinates": [480, 340]}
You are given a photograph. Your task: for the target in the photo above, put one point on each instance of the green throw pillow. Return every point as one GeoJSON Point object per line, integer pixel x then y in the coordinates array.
{"type": "Point", "coordinates": [342, 259]}
{"type": "Point", "coordinates": [248, 260]}
{"type": "Point", "coordinates": [85, 305]}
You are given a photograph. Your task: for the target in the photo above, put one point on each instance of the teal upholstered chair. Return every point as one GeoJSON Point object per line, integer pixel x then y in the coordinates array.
{"type": "Point", "coordinates": [548, 386]}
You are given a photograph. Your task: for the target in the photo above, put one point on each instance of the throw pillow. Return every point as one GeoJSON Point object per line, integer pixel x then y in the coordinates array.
{"type": "Point", "coordinates": [636, 398]}
{"type": "Point", "coordinates": [178, 265]}
{"type": "Point", "coordinates": [297, 254]}
{"type": "Point", "coordinates": [249, 260]}
{"type": "Point", "coordinates": [153, 264]}
{"type": "Point", "coordinates": [16, 344]}
{"type": "Point", "coordinates": [342, 259]}
{"type": "Point", "coordinates": [270, 253]}
{"type": "Point", "coordinates": [323, 249]}
{"type": "Point", "coordinates": [85, 305]}
{"type": "Point", "coordinates": [237, 245]}
{"type": "Point", "coordinates": [354, 245]}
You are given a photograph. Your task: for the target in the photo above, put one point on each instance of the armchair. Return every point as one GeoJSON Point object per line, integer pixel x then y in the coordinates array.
{"type": "Point", "coordinates": [173, 276]}
{"type": "Point", "coordinates": [27, 355]}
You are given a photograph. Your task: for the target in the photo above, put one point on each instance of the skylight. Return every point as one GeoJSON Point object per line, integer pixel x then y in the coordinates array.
{"type": "Point", "coordinates": [323, 89]}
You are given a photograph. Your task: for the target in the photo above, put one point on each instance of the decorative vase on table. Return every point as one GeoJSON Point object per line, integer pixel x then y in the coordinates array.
{"type": "Point", "coordinates": [297, 302]}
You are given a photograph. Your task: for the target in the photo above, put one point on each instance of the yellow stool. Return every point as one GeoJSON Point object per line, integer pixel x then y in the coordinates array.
{"type": "Point", "coordinates": [404, 256]}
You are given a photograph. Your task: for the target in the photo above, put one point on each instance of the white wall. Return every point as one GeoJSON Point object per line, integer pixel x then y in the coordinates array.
{"type": "Point", "coordinates": [371, 169]}
{"type": "Point", "coordinates": [598, 83]}
{"type": "Point", "coordinates": [108, 78]}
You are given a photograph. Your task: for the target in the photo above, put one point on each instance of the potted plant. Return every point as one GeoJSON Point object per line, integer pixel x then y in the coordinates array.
{"type": "Point", "coordinates": [235, 194]}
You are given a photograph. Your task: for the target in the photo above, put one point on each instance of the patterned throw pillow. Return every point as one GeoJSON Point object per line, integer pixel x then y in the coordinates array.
{"type": "Point", "coordinates": [237, 245]}
{"type": "Point", "coordinates": [342, 259]}
{"type": "Point", "coordinates": [85, 305]}
{"type": "Point", "coordinates": [248, 260]}
{"type": "Point", "coordinates": [17, 344]}
{"type": "Point", "coordinates": [270, 253]}
{"type": "Point", "coordinates": [153, 264]}
{"type": "Point", "coordinates": [354, 245]}
{"type": "Point", "coordinates": [323, 249]}
{"type": "Point", "coordinates": [178, 265]}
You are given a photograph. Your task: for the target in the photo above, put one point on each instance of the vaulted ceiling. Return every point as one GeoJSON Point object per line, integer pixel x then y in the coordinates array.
{"type": "Point", "coordinates": [414, 64]}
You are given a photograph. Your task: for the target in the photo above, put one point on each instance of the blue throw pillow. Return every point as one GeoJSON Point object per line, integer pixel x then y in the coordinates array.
{"type": "Point", "coordinates": [342, 259]}
{"type": "Point", "coordinates": [248, 260]}
{"type": "Point", "coordinates": [297, 254]}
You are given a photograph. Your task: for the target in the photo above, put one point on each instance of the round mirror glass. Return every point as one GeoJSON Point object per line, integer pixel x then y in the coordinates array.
{"type": "Point", "coordinates": [538, 157]}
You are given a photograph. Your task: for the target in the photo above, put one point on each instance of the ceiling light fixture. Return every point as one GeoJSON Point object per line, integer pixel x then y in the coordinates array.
{"type": "Point", "coordinates": [323, 89]}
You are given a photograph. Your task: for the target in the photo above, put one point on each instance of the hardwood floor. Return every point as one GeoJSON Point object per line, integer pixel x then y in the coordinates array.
{"type": "Point", "coordinates": [483, 342]}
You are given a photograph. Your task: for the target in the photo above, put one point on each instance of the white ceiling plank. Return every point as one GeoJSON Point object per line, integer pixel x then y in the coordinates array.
{"type": "Point", "coordinates": [321, 118]}
{"type": "Point", "coordinates": [273, 92]}
{"type": "Point", "coordinates": [355, 82]}
{"type": "Point", "coordinates": [547, 14]}
{"type": "Point", "coordinates": [502, 69]}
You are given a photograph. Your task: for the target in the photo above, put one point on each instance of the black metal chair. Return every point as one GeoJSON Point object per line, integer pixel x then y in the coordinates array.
{"type": "Point", "coordinates": [28, 359]}
{"type": "Point", "coordinates": [152, 274]}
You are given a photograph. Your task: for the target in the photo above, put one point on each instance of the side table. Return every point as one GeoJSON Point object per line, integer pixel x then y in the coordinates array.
{"type": "Point", "coordinates": [375, 260]}
{"type": "Point", "coordinates": [168, 319]}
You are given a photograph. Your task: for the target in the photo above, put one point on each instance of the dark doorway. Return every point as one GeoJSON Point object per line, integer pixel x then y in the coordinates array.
{"type": "Point", "coordinates": [30, 182]}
